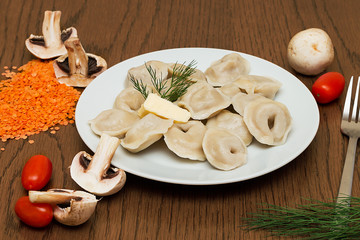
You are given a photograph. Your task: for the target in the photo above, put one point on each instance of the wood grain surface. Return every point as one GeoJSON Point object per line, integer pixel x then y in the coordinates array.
{"type": "Point", "coordinates": [120, 29]}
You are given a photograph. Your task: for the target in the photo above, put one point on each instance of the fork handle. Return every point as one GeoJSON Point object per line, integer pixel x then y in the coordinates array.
{"type": "Point", "coordinates": [348, 171]}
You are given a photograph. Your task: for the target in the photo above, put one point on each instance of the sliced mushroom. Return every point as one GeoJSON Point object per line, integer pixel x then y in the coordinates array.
{"type": "Point", "coordinates": [78, 68]}
{"type": "Point", "coordinates": [71, 207]}
{"type": "Point", "coordinates": [94, 173]}
{"type": "Point", "coordinates": [51, 44]}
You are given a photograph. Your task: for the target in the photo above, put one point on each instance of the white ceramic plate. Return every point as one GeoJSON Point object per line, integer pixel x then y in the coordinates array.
{"type": "Point", "coordinates": [159, 163]}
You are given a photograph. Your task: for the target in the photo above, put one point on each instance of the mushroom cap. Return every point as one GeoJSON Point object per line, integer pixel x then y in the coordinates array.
{"type": "Point", "coordinates": [78, 212]}
{"type": "Point", "coordinates": [96, 66]}
{"type": "Point", "coordinates": [90, 181]}
{"type": "Point", "coordinates": [35, 45]}
{"type": "Point", "coordinates": [81, 204]}
{"type": "Point", "coordinates": [310, 51]}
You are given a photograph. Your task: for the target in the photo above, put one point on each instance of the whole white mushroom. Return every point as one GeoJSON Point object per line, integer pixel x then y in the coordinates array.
{"type": "Point", "coordinates": [310, 51]}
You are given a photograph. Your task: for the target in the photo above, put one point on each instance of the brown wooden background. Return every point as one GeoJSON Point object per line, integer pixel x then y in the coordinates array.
{"type": "Point", "coordinates": [118, 30]}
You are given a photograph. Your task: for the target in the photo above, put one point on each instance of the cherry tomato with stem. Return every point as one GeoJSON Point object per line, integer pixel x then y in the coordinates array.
{"type": "Point", "coordinates": [328, 87]}
{"type": "Point", "coordinates": [33, 214]}
{"type": "Point", "coordinates": [36, 172]}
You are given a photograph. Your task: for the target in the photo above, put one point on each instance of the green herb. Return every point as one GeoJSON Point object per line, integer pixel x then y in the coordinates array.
{"type": "Point", "coordinates": [315, 220]}
{"type": "Point", "coordinates": [170, 89]}
{"type": "Point", "coordinates": [139, 85]}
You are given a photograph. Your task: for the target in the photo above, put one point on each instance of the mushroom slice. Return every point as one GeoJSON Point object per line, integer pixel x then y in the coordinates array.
{"type": "Point", "coordinates": [203, 101]}
{"type": "Point", "coordinates": [78, 68]}
{"type": "Point", "coordinates": [114, 122]}
{"type": "Point", "coordinates": [94, 173]}
{"type": "Point", "coordinates": [185, 140]}
{"type": "Point", "coordinates": [145, 132]}
{"type": "Point", "coordinates": [51, 44]}
{"type": "Point", "coordinates": [223, 149]}
{"type": "Point", "coordinates": [227, 69]}
{"type": "Point", "coordinates": [79, 205]}
{"type": "Point", "coordinates": [268, 121]}
{"type": "Point", "coordinates": [232, 122]}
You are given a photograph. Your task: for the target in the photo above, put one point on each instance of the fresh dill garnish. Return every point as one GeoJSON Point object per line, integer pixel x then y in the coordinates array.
{"type": "Point", "coordinates": [316, 220]}
{"type": "Point", "coordinates": [139, 85]}
{"type": "Point", "coordinates": [180, 81]}
{"type": "Point", "coordinates": [170, 89]}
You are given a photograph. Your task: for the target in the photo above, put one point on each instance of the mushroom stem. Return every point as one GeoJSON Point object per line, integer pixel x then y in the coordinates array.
{"type": "Point", "coordinates": [54, 197]}
{"type": "Point", "coordinates": [93, 173]}
{"type": "Point", "coordinates": [50, 44]}
{"type": "Point", "coordinates": [51, 29]}
{"type": "Point", "coordinates": [77, 68]}
{"type": "Point", "coordinates": [104, 153]}
{"type": "Point", "coordinates": [78, 59]}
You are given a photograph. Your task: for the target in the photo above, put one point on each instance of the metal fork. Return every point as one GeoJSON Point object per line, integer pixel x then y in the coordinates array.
{"type": "Point", "coordinates": [350, 126]}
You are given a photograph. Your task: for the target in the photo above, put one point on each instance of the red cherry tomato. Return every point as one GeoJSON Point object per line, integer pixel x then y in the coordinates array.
{"type": "Point", "coordinates": [328, 87]}
{"type": "Point", "coordinates": [33, 214]}
{"type": "Point", "coordinates": [36, 172]}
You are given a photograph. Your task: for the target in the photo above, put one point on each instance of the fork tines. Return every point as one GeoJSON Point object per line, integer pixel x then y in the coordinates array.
{"type": "Point", "coordinates": [347, 104]}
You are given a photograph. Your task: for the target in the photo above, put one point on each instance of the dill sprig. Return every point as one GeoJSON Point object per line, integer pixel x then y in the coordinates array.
{"type": "Point", "coordinates": [158, 83]}
{"type": "Point", "coordinates": [170, 89]}
{"type": "Point", "coordinates": [316, 220]}
{"type": "Point", "coordinates": [180, 81]}
{"type": "Point", "coordinates": [139, 85]}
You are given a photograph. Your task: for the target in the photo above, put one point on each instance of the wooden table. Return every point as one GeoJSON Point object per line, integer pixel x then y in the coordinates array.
{"type": "Point", "coordinates": [147, 209]}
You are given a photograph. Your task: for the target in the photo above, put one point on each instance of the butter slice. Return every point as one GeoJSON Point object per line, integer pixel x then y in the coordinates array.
{"type": "Point", "coordinates": [163, 108]}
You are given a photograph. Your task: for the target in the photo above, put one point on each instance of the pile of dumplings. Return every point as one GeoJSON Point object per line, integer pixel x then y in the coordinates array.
{"type": "Point", "coordinates": [228, 109]}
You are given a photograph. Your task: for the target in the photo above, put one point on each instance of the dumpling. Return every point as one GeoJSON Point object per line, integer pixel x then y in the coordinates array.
{"type": "Point", "coordinates": [244, 84]}
{"type": "Point", "coordinates": [223, 149]}
{"type": "Point", "coordinates": [240, 100]}
{"type": "Point", "coordinates": [232, 122]}
{"type": "Point", "coordinates": [264, 86]}
{"type": "Point", "coordinates": [203, 101]}
{"type": "Point", "coordinates": [227, 69]}
{"type": "Point", "coordinates": [185, 140]}
{"type": "Point", "coordinates": [230, 90]}
{"type": "Point", "coordinates": [268, 121]}
{"type": "Point", "coordinates": [141, 72]}
{"type": "Point", "coordinates": [145, 132]}
{"type": "Point", "coordinates": [114, 122]}
{"type": "Point", "coordinates": [129, 100]}
{"type": "Point", "coordinates": [197, 76]}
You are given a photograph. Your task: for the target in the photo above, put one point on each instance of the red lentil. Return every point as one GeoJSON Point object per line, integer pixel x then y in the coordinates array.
{"type": "Point", "coordinates": [32, 100]}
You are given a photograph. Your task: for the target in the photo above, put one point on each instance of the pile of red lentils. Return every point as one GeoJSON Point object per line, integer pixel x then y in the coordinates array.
{"type": "Point", "coordinates": [32, 101]}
